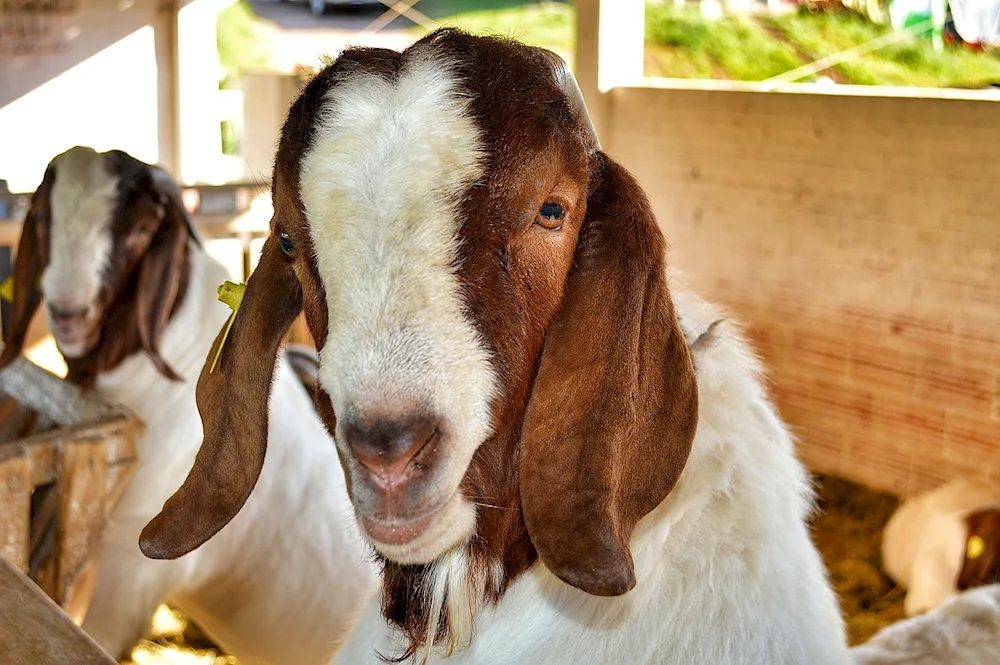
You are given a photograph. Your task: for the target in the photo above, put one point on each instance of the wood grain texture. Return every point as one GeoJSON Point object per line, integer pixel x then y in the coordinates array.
{"type": "Point", "coordinates": [858, 238]}
{"type": "Point", "coordinates": [15, 507]}
{"type": "Point", "coordinates": [34, 631]}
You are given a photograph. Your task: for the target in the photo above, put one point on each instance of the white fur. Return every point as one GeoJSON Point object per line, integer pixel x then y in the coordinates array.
{"type": "Point", "coordinates": [279, 585]}
{"type": "Point", "coordinates": [82, 199]}
{"type": "Point", "coordinates": [924, 543]}
{"type": "Point", "coordinates": [963, 630]}
{"type": "Point", "coordinates": [726, 571]}
{"type": "Point", "coordinates": [385, 243]}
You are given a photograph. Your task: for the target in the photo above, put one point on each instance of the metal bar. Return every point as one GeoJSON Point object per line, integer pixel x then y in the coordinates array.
{"type": "Point", "coordinates": [398, 8]}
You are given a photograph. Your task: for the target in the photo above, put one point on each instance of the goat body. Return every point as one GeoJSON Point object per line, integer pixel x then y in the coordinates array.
{"type": "Point", "coordinates": [726, 571]}
{"type": "Point", "coordinates": [925, 543]}
{"type": "Point", "coordinates": [284, 582]}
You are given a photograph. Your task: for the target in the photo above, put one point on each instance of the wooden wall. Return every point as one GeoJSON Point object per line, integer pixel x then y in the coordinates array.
{"type": "Point", "coordinates": [860, 239]}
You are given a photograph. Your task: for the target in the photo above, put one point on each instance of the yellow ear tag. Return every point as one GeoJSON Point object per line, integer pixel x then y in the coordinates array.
{"type": "Point", "coordinates": [232, 295]}
{"type": "Point", "coordinates": [975, 548]}
{"type": "Point", "coordinates": [7, 289]}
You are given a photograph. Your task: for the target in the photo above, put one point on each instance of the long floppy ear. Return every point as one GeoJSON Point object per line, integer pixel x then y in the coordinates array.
{"type": "Point", "coordinates": [614, 405]}
{"type": "Point", "coordinates": [32, 257]}
{"type": "Point", "coordinates": [232, 401]}
{"type": "Point", "coordinates": [160, 273]}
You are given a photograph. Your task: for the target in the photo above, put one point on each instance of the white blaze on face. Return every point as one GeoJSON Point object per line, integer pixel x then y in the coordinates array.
{"type": "Point", "coordinates": [83, 200]}
{"type": "Point", "coordinates": [381, 187]}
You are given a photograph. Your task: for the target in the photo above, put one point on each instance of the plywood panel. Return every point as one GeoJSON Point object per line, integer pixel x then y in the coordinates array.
{"type": "Point", "coordinates": [859, 238]}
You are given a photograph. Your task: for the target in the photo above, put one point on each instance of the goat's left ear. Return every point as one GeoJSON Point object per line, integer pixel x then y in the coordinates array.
{"type": "Point", "coordinates": [614, 406]}
{"type": "Point", "coordinates": [32, 257]}
{"type": "Point", "coordinates": [233, 400]}
{"type": "Point", "coordinates": [160, 276]}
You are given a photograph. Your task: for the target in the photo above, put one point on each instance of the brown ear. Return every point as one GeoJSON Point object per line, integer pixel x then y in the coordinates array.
{"type": "Point", "coordinates": [32, 257]}
{"type": "Point", "coordinates": [614, 405]}
{"type": "Point", "coordinates": [160, 277]}
{"type": "Point", "coordinates": [233, 402]}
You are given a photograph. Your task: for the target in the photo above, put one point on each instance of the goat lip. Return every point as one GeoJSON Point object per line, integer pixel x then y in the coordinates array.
{"type": "Point", "coordinates": [398, 531]}
{"type": "Point", "coordinates": [71, 346]}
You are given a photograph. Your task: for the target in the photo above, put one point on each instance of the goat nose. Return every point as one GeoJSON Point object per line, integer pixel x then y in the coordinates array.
{"type": "Point", "coordinates": [63, 313]}
{"type": "Point", "coordinates": [387, 448]}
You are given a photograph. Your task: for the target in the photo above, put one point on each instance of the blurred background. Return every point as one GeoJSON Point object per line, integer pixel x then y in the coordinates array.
{"type": "Point", "coordinates": [825, 168]}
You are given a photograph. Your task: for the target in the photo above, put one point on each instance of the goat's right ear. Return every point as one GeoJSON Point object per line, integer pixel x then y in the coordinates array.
{"type": "Point", "coordinates": [32, 257]}
{"type": "Point", "coordinates": [614, 406]}
{"type": "Point", "coordinates": [233, 402]}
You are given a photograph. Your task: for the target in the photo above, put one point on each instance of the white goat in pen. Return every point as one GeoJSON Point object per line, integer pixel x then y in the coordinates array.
{"type": "Point", "coordinates": [545, 474]}
{"type": "Point", "coordinates": [132, 304]}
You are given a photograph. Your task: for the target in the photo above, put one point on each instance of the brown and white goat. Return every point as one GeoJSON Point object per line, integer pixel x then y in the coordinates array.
{"type": "Point", "coordinates": [132, 302]}
{"type": "Point", "coordinates": [944, 541]}
{"type": "Point", "coordinates": [527, 446]}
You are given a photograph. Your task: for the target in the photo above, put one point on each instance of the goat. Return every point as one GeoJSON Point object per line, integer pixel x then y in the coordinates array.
{"type": "Point", "coordinates": [131, 300]}
{"type": "Point", "coordinates": [944, 541]}
{"type": "Point", "coordinates": [528, 450]}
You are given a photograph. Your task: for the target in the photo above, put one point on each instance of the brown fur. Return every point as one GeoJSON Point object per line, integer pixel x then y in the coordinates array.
{"type": "Point", "coordinates": [147, 279]}
{"type": "Point", "coordinates": [984, 569]}
{"type": "Point", "coordinates": [599, 401]}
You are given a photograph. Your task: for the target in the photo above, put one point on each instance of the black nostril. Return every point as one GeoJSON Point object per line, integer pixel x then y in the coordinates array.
{"type": "Point", "coordinates": [60, 314]}
{"type": "Point", "coordinates": [386, 448]}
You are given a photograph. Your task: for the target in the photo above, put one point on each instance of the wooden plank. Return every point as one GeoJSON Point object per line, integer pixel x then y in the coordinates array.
{"type": "Point", "coordinates": [34, 631]}
{"type": "Point", "coordinates": [43, 462]}
{"type": "Point", "coordinates": [82, 481]}
{"type": "Point", "coordinates": [15, 507]}
{"type": "Point", "coordinates": [118, 478]}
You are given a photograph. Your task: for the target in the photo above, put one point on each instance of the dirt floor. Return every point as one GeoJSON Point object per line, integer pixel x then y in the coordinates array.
{"type": "Point", "coordinates": [847, 530]}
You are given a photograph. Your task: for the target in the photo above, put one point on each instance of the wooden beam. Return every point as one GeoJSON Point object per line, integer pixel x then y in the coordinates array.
{"type": "Point", "coordinates": [610, 52]}
{"type": "Point", "coordinates": [34, 631]}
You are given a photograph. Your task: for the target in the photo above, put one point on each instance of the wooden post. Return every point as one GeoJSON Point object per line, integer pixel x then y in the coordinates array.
{"type": "Point", "coordinates": [15, 506]}
{"type": "Point", "coordinates": [610, 52]}
{"type": "Point", "coordinates": [34, 631]}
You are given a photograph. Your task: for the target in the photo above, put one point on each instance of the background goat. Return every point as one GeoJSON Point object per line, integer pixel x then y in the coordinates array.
{"type": "Point", "coordinates": [132, 304]}
{"type": "Point", "coordinates": [526, 443]}
{"type": "Point", "coordinates": [926, 545]}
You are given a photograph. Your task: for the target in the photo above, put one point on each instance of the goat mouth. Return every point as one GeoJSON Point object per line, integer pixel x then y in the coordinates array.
{"type": "Point", "coordinates": [73, 345]}
{"type": "Point", "coordinates": [400, 530]}
{"type": "Point", "coordinates": [397, 532]}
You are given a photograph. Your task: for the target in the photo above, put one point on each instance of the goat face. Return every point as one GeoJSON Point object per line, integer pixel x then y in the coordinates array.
{"type": "Point", "coordinates": [104, 243]}
{"type": "Point", "coordinates": [488, 294]}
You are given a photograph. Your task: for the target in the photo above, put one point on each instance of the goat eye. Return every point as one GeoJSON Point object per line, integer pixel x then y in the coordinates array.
{"type": "Point", "coordinates": [550, 215]}
{"type": "Point", "coordinates": [286, 243]}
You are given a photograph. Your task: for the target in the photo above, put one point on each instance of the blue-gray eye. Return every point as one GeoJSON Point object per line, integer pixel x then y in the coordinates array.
{"type": "Point", "coordinates": [550, 215]}
{"type": "Point", "coordinates": [286, 243]}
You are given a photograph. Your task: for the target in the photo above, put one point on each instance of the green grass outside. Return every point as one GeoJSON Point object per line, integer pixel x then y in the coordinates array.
{"type": "Point", "coordinates": [240, 49]}
{"type": "Point", "coordinates": [681, 43]}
